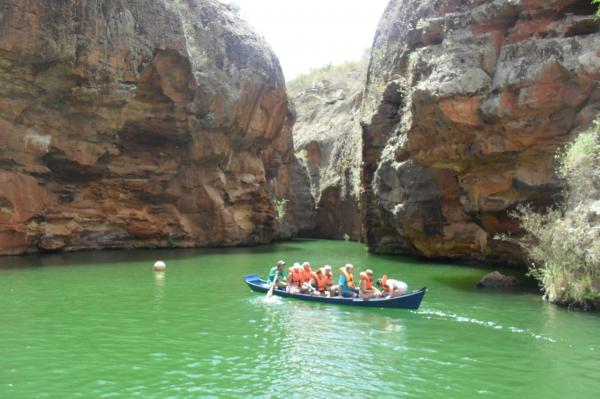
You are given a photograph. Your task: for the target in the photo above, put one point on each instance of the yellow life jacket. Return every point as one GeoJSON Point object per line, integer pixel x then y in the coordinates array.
{"type": "Point", "coordinates": [349, 277]}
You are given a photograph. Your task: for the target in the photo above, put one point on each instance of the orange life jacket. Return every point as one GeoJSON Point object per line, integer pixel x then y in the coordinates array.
{"type": "Point", "coordinates": [349, 277]}
{"type": "Point", "coordinates": [296, 278]}
{"type": "Point", "coordinates": [369, 280]}
{"type": "Point", "coordinates": [320, 281]}
{"type": "Point", "coordinates": [384, 283]}
{"type": "Point", "coordinates": [306, 275]}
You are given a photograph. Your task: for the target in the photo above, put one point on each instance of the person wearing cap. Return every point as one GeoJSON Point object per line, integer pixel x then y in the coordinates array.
{"type": "Point", "coordinates": [392, 287]}
{"type": "Point", "coordinates": [366, 289]}
{"type": "Point", "coordinates": [278, 271]}
{"type": "Point", "coordinates": [347, 287]}
{"type": "Point", "coordinates": [295, 279]}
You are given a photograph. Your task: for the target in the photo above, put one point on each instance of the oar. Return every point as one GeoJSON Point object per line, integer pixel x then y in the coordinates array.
{"type": "Point", "coordinates": [270, 292]}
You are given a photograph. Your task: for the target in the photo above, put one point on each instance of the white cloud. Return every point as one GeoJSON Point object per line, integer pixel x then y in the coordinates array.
{"type": "Point", "coordinates": [311, 33]}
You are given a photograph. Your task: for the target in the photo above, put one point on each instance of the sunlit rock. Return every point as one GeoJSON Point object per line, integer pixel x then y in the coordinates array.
{"type": "Point", "coordinates": [465, 107]}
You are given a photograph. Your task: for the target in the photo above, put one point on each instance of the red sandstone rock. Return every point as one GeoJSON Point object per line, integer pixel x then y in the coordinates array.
{"type": "Point", "coordinates": [464, 122]}
{"type": "Point", "coordinates": [137, 123]}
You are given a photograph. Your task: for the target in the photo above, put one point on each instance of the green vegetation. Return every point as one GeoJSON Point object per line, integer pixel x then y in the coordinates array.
{"type": "Point", "coordinates": [281, 208]}
{"type": "Point", "coordinates": [564, 243]}
{"type": "Point", "coordinates": [351, 74]}
{"type": "Point", "coordinates": [597, 2]}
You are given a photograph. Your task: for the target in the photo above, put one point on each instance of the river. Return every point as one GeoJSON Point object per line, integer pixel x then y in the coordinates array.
{"type": "Point", "coordinates": [103, 324]}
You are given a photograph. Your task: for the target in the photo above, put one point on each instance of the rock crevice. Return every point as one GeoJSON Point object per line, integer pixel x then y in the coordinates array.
{"type": "Point", "coordinates": [327, 145]}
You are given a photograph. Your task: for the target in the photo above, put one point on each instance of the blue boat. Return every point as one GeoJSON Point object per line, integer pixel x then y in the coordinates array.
{"type": "Point", "coordinates": [411, 300]}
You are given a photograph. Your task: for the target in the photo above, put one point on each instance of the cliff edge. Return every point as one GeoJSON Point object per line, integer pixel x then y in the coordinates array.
{"type": "Point", "coordinates": [129, 123]}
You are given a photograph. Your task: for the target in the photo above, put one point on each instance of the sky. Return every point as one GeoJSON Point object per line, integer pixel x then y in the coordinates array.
{"type": "Point", "coordinates": [309, 34]}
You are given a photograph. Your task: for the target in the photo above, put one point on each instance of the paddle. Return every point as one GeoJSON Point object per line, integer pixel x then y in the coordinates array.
{"type": "Point", "coordinates": [270, 292]}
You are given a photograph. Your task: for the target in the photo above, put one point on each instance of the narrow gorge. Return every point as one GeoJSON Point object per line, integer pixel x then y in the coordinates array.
{"type": "Point", "coordinates": [189, 209]}
{"type": "Point", "coordinates": [465, 107]}
{"type": "Point", "coordinates": [130, 124]}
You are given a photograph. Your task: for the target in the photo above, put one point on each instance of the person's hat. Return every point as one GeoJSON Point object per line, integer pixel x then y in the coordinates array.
{"type": "Point", "coordinates": [281, 262]}
{"type": "Point", "coordinates": [349, 266]}
{"type": "Point", "coordinates": [369, 271]}
{"type": "Point", "coordinates": [297, 266]}
{"type": "Point", "coordinates": [327, 268]}
{"type": "Point", "coordinates": [305, 264]}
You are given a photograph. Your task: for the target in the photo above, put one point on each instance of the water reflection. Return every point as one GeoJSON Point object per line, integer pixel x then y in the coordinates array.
{"type": "Point", "coordinates": [159, 280]}
{"type": "Point", "coordinates": [321, 344]}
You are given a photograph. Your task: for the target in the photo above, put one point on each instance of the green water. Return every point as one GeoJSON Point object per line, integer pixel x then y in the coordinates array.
{"type": "Point", "coordinates": [103, 324]}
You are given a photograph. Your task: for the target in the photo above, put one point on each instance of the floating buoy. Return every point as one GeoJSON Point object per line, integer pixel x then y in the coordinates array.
{"type": "Point", "coordinates": [159, 266]}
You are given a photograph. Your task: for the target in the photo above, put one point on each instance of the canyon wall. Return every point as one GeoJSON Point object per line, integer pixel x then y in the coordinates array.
{"type": "Point", "coordinates": [130, 123]}
{"type": "Point", "coordinates": [466, 104]}
{"type": "Point", "coordinates": [327, 146]}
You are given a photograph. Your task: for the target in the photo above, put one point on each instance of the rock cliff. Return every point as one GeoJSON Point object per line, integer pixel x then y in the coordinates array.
{"type": "Point", "coordinates": [467, 104]}
{"type": "Point", "coordinates": [130, 123]}
{"type": "Point", "coordinates": [327, 145]}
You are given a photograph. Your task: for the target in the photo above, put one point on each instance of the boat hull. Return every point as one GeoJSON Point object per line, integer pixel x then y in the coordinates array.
{"type": "Point", "coordinates": [411, 300]}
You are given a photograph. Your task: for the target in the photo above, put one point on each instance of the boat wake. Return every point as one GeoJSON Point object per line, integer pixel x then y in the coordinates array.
{"type": "Point", "coordinates": [264, 300]}
{"type": "Point", "coordinates": [441, 315]}
{"type": "Point", "coordinates": [272, 299]}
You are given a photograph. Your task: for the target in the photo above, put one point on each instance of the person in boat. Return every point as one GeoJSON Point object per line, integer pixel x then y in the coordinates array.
{"type": "Point", "coordinates": [307, 275]}
{"type": "Point", "coordinates": [366, 289]}
{"type": "Point", "coordinates": [317, 282]}
{"type": "Point", "coordinates": [277, 270]}
{"type": "Point", "coordinates": [328, 281]}
{"type": "Point", "coordinates": [347, 287]}
{"type": "Point", "coordinates": [294, 279]}
{"type": "Point", "coordinates": [307, 272]}
{"type": "Point", "coordinates": [391, 287]}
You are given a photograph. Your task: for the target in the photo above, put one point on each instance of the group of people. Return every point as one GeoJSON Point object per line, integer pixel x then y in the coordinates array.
{"type": "Point", "coordinates": [302, 279]}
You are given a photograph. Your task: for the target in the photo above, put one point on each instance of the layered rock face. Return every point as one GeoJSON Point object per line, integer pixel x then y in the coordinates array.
{"type": "Point", "coordinates": [327, 145]}
{"type": "Point", "coordinates": [127, 123]}
{"type": "Point", "coordinates": [469, 102]}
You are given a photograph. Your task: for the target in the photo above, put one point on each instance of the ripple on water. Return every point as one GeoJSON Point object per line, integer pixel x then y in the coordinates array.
{"type": "Point", "coordinates": [430, 314]}
{"type": "Point", "coordinates": [81, 331]}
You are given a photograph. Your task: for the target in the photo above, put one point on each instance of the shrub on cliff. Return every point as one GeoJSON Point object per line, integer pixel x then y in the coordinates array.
{"type": "Point", "coordinates": [564, 243]}
{"type": "Point", "coordinates": [351, 74]}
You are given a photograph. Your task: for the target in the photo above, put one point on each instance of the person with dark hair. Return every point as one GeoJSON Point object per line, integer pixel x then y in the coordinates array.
{"type": "Point", "coordinates": [317, 282]}
{"type": "Point", "coordinates": [277, 270]}
{"type": "Point", "coordinates": [392, 287]}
